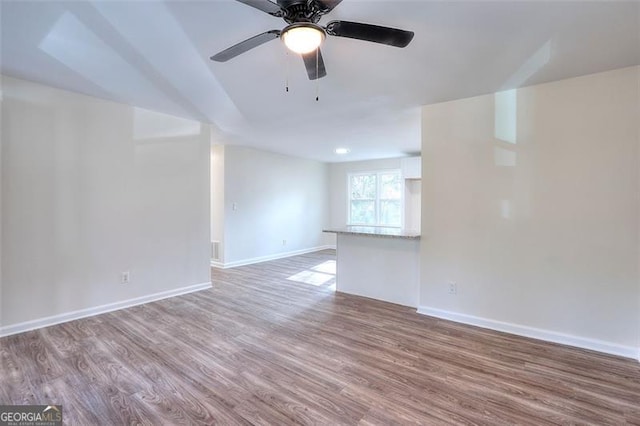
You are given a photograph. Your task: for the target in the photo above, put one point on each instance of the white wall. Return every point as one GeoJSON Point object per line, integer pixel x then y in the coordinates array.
{"type": "Point", "coordinates": [277, 198]}
{"type": "Point", "coordinates": [531, 204]}
{"type": "Point", "coordinates": [413, 204]}
{"type": "Point", "coordinates": [338, 173]}
{"type": "Point", "coordinates": [217, 200]}
{"type": "Point", "coordinates": [92, 188]}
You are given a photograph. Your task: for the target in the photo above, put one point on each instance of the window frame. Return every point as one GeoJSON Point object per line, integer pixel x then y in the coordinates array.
{"type": "Point", "coordinates": [378, 199]}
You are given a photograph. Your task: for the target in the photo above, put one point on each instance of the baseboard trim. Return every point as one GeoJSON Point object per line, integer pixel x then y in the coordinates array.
{"type": "Point", "coordinates": [251, 261]}
{"type": "Point", "coordinates": [217, 264]}
{"type": "Point", "coordinates": [89, 312]}
{"type": "Point", "coordinates": [535, 333]}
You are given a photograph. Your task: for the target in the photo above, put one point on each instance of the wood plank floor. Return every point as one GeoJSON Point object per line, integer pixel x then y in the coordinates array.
{"type": "Point", "coordinates": [273, 344]}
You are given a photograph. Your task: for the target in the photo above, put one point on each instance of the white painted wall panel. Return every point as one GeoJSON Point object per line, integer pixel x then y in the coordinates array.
{"type": "Point", "coordinates": [539, 229]}
{"type": "Point", "coordinates": [270, 199]}
{"type": "Point", "coordinates": [380, 268]}
{"type": "Point", "coordinates": [90, 189]}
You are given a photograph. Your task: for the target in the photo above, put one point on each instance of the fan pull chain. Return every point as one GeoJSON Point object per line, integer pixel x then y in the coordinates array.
{"type": "Point", "coordinates": [317, 79]}
{"type": "Point", "coordinates": [286, 78]}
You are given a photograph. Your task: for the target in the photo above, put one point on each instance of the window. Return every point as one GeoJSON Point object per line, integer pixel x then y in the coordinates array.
{"type": "Point", "coordinates": [375, 198]}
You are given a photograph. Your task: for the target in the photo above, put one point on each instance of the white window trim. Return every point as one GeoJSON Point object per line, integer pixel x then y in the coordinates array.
{"type": "Point", "coordinates": [377, 200]}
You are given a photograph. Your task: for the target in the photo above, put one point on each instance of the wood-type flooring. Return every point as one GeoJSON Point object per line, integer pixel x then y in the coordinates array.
{"type": "Point", "coordinates": [272, 343]}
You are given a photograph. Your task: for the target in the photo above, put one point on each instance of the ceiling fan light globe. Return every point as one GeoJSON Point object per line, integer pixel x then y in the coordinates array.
{"type": "Point", "coordinates": [303, 38]}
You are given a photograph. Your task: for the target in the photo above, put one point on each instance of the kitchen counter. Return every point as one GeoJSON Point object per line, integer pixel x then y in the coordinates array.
{"type": "Point", "coordinates": [380, 263]}
{"type": "Point", "coordinates": [376, 231]}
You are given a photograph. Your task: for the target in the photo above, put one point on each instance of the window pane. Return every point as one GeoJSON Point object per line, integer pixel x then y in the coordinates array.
{"type": "Point", "coordinates": [390, 213]}
{"type": "Point", "coordinates": [363, 212]}
{"type": "Point", "coordinates": [363, 187]}
{"type": "Point", "coordinates": [390, 186]}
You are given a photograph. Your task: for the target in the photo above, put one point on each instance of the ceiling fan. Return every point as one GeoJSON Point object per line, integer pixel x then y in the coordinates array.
{"type": "Point", "coordinates": [304, 35]}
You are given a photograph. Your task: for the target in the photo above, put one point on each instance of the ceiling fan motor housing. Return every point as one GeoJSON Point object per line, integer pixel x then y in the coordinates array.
{"type": "Point", "coordinates": [301, 11]}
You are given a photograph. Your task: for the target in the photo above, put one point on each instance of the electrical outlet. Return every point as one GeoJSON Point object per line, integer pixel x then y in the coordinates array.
{"type": "Point", "coordinates": [125, 277]}
{"type": "Point", "coordinates": [453, 287]}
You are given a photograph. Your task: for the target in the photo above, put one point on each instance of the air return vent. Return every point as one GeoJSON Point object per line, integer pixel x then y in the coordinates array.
{"type": "Point", "coordinates": [215, 250]}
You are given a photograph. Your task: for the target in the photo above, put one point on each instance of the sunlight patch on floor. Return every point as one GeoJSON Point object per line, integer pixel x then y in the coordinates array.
{"type": "Point", "coordinates": [311, 277]}
{"type": "Point", "coordinates": [322, 275]}
{"type": "Point", "coordinates": [328, 267]}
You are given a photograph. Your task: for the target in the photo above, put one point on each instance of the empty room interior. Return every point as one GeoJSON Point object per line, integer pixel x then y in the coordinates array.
{"type": "Point", "coordinates": [320, 212]}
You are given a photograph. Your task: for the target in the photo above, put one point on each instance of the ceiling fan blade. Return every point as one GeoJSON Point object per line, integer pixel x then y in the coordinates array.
{"type": "Point", "coordinates": [243, 46]}
{"type": "Point", "coordinates": [368, 32]}
{"type": "Point", "coordinates": [327, 6]}
{"type": "Point", "coordinates": [314, 71]}
{"type": "Point", "coordinates": [265, 6]}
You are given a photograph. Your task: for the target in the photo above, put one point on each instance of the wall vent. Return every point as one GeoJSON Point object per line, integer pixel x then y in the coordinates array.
{"type": "Point", "coordinates": [215, 250]}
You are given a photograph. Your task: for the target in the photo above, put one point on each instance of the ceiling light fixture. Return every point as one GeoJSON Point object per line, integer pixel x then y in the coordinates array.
{"type": "Point", "coordinates": [303, 37]}
{"type": "Point", "coordinates": [342, 151]}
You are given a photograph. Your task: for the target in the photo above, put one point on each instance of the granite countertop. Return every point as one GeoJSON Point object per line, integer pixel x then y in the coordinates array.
{"type": "Point", "coordinates": [376, 231]}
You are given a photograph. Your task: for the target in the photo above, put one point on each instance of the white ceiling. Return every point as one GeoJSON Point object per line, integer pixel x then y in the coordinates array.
{"type": "Point", "coordinates": [155, 55]}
